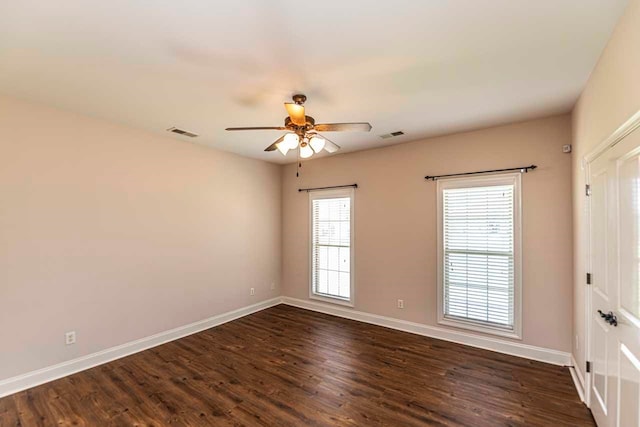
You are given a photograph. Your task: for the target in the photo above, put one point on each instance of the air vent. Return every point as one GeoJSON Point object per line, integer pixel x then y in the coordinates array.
{"type": "Point", "coordinates": [392, 134]}
{"type": "Point", "coordinates": [182, 132]}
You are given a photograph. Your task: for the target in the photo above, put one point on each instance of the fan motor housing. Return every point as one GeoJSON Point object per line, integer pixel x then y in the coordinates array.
{"type": "Point", "coordinates": [310, 122]}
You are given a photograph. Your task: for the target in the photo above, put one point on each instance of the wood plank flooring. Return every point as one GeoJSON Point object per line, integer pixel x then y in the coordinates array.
{"type": "Point", "coordinates": [287, 366]}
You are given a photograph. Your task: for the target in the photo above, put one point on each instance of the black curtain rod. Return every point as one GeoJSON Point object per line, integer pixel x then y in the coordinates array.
{"type": "Point", "coordinates": [524, 169]}
{"type": "Point", "coordinates": [327, 188]}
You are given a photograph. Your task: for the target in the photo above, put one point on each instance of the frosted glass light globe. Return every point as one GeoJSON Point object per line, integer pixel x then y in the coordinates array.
{"type": "Point", "coordinates": [291, 141]}
{"type": "Point", "coordinates": [317, 143]}
{"type": "Point", "coordinates": [306, 151]}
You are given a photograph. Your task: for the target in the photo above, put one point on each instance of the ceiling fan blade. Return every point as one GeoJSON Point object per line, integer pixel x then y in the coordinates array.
{"type": "Point", "coordinates": [273, 147]}
{"type": "Point", "coordinates": [329, 145]}
{"type": "Point", "coordinates": [342, 127]}
{"type": "Point", "coordinates": [296, 112]}
{"type": "Point", "coordinates": [260, 128]}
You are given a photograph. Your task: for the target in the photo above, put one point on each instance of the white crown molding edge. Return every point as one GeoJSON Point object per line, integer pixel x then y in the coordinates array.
{"type": "Point", "coordinates": [34, 378]}
{"type": "Point", "coordinates": [540, 354]}
{"type": "Point", "coordinates": [577, 378]}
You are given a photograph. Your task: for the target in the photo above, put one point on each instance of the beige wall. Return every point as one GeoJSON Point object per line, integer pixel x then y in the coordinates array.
{"type": "Point", "coordinates": [119, 234]}
{"type": "Point", "coordinates": [395, 221]}
{"type": "Point", "coordinates": [611, 96]}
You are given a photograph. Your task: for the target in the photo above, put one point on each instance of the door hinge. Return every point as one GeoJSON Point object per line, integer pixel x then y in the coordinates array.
{"type": "Point", "coordinates": [588, 366]}
{"type": "Point", "coordinates": [587, 189]}
{"type": "Point", "coordinates": [588, 278]}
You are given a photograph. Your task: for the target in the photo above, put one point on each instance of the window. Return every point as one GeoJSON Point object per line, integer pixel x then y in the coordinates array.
{"type": "Point", "coordinates": [479, 254]}
{"type": "Point", "coordinates": [332, 245]}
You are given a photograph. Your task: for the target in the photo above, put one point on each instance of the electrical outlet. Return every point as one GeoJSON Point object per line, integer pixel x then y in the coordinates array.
{"type": "Point", "coordinates": [273, 285]}
{"type": "Point", "coordinates": [70, 338]}
{"type": "Point", "coordinates": [400, 303]}
{"type": "Point", "coordinates": [253, 291]}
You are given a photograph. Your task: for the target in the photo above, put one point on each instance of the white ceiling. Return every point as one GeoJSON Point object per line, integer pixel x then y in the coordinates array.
{"type": "Point", "coordinates": [424, 67]}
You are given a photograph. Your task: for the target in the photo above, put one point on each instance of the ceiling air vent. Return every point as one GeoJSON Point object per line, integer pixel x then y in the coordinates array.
{"type": "Point", "coordinates": [392, 134]}
{"type": "Point", "coordinates": [182, 132]}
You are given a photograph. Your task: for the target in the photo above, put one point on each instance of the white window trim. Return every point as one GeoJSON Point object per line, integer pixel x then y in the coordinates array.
{"type": "Point", "coordinates": [498, 179]}
{"type": "Point", "coordinates": [331, 194]}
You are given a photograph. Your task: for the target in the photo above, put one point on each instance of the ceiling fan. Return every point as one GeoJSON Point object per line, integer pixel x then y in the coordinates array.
{"type": "Point", "coordinates": [303, 131]}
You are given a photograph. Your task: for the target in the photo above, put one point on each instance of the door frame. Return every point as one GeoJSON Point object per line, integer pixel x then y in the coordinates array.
{"type": "Point", "coordinates": [631, 124]}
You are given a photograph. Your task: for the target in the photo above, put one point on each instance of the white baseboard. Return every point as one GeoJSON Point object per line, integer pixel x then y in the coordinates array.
{"type": "Point", "coordinates": [44, 375]}
{"type": "Point", "coordinates": [577, 377]}
{"type": "Point", "coordinates": [540, 354]}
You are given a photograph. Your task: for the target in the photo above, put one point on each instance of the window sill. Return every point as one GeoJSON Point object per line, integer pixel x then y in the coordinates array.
{"type": "Point", "coordinates": [485, 329]}
{"type": "Point", "coordinates": [331, 300]}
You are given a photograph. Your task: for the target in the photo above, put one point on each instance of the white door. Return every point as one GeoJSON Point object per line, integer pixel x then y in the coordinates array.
{"type": "Point", "coordinates": [614, 178]}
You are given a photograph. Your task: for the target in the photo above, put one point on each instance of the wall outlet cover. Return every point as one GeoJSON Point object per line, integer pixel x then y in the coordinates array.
{"type": "Point", "coordinates": [70, 338]}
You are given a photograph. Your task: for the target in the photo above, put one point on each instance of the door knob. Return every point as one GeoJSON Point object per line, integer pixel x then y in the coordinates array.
{"type": "Point", "coordinates": [609, 317]}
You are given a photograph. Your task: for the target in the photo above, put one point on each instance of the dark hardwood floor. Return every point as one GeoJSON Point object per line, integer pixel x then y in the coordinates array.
{"type": "Point", "coordinates": [287, 366]}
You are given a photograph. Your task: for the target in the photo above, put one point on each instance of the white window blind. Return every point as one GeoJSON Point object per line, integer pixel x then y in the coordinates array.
{"type": "Point", "coordinates": [331, 244]}
{"type": "Point", "coordinates": [478, 236]}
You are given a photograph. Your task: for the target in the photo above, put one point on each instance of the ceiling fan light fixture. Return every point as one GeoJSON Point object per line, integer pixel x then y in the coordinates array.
{"type": "Point", "coordinates": [317, 143]}
{"type": "Point", "coordinates": [301, 131]}
{"type": "Point", "coordinates": [291, 141]}
{"type": "Point", "coordinates": [305, 151]}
